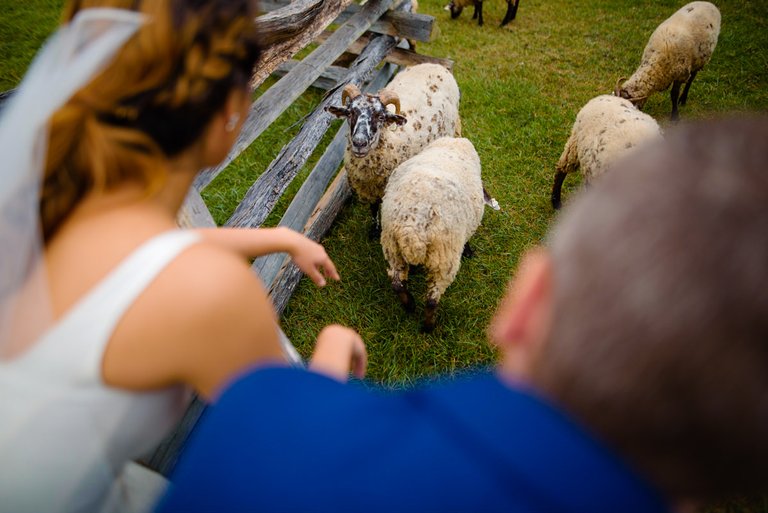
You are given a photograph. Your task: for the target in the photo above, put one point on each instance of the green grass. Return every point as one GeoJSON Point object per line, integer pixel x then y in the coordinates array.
{"type": "Point", "coordinates": [24, 25]}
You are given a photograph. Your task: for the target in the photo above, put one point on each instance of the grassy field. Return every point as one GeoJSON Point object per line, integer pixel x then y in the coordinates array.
{"type": "Point", "coordinates": [522, 86]}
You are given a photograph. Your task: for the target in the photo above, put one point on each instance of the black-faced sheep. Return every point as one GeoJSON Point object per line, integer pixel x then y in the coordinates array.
{"type": "Point", "coordinates": [427, 94]}
{"type": "Point", "coordinates": [606, 129]}
{"type": "Point", "coordinates": [433, 204]}
{"type": "Point", "coordinates": [456, 6]}
{"type": "Point", "coordinates": [675, 53]}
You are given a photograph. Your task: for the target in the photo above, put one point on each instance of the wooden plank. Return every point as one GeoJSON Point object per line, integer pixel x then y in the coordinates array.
{"type": "Point", "coordinates": [399, 56]}
{"type": "Point", "coordinates": [327, 80]}
{"type": "Point", "coordinates": [287, 21]}
{"type": "Point", "coordinates": [311, 190]}
{"type": "Point", "coordinates": [272, 103]}
{"type": "Point", "coordinates": [408, 25]}
{"type": "Point", "coordinates": [274, 54]}
{"type": "Point", "coordinates": [262, 196]}
{"type": "Point", "coordinates": [318, 225]}
{"type": "Point", "coordinates": [196, 213]}
{"type": "Point", "coordinates": [167, 453]}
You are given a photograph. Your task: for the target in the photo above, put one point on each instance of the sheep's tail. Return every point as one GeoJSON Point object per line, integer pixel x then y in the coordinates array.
{"type": "Point", "coordinates": [412, 245]}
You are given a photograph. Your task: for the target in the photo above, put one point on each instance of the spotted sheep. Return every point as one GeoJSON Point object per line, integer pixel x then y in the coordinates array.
{"type": "Point", "coordinates": [605, 130]}
{"type": "Point", "coordinates": [456, 6]}
{"type": "Point", "coordinates": [676, 51]}
{"type": "Point", "coordinates": [425, 98]}
{"type": "Point", "coordinates": [432, 205]}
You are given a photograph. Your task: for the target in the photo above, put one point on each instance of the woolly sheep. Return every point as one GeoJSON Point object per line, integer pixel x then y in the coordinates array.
{"type": "Point", "coordinates": [606, 128]}
{"type": "Point", "coordinates": [427, 94]}
{"type": "Point", "coordinates": [433, 204]}
{"type": "Point", "coordinates": [675, 53]}
{"type": "Point", "coordinates": [456, 6]}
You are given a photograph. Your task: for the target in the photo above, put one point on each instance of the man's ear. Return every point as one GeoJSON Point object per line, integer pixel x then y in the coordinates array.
{"type": "Point", "coordinates": [395, 118]}
{"type": "Point", "coordinates": [339, 112]}
{"type": "Point", "coordinates": [524, 316]}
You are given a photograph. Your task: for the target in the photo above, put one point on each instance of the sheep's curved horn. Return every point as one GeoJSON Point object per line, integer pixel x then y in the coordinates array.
{"type": "Point", "coordinates": [389, 97]}
{"type": "Point", "coordinates": [350, 91]}
{"type": "Point", "coordinates": [616, 90]}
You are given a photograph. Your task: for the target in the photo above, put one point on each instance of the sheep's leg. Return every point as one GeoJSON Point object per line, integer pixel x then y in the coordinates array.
{"type": "Point", "coordinates": [567, 163]}
{"type": "Point", "coordinates": [398, 274]}
{"type": "Point", "coordinates": [442, 265]}
{"type": "Point", "coordinates": [511, 11]}
{"type": "Point", "coordinates": [675, 94]}
{"type": "Point", "coordinates": [375, 229]}
{"type": "Point", "coordinates": [468, 252]}
{"type": "Point", "coordinates": [684, 96]}
{"type": "Point", "coordinates": [556, 188]}
{"type": "Point", "coordinates": [479, 12]}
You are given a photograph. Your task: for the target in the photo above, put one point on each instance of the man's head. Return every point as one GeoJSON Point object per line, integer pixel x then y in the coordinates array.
{"type": "Point", "coordinates": [647, 317]}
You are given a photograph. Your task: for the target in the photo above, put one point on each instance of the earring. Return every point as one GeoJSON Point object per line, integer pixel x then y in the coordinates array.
{"type": "Point", "coordinates": [232, 122]}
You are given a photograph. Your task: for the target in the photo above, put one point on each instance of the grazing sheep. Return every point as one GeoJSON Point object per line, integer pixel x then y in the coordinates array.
{"type": "Point", "coordinates": [456, 6]}
{"type": "Point", "coordinates": [675, 53]}
{"type": "Point", "coordinates": [432, 205]}
{"type": "Point", "coordinates": [427, 94]}
{"type": "Point", "coordinates": [606, 128]}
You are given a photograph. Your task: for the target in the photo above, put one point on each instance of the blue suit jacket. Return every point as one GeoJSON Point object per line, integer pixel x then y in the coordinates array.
{"type": "Point", "coordinates": [287, 440]}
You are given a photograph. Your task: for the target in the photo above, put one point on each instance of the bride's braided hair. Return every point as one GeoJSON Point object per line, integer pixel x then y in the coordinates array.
{"type": "Point", "coordinates": [152, 102]}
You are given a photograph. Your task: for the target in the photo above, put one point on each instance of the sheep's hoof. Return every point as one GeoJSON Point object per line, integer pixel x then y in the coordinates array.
{"type": "Point", "coordinates": [374, 232]}
{"type": "Point", "coordinates": [405, 297]}
{"type": "Point", "coordinates": [468, 252]}
{"type": "Point", "coordinates": [430, 316]}
{"type": "Point", "coordinates": [409, 305]}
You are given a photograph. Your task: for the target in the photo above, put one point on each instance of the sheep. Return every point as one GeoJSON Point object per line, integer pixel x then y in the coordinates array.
{"type": "Point", "coordinates": [433, 204]}
{"type": "Point", "coordinates": [456, 6]}
{"type": "Point", "coordinates": [428, 94]}
{"type": "Point", "coordinates": [606, 128]}
{"type": "Point", "coordinates": [675, 53]}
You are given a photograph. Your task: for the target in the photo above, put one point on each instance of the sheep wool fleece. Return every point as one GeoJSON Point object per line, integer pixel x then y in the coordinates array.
{"type": "Point", "coordinates": [283, 439]}
{"type": "Point", "coordinates": [606, 129]}
{"type": "Point", "coordinates": [432, 205]}
{"type": "Point", "coordinates": [682, 44]}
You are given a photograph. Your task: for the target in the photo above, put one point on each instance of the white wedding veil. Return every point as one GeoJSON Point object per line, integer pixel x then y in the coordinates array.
{"type": "Point", "coordinates": [66, 63]}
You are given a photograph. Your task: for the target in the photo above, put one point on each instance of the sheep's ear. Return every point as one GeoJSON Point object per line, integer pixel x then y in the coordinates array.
{"type": "Point", "coordinates": [339, 112]}
{"type": "Point", "coordinates": [396, 118]}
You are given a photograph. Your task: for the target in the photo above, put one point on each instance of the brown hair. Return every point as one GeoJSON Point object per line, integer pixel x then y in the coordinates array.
{"type": "Point", "coordinates": [660, 333]}
{"type": "Point", "coordinates": [153, 100]}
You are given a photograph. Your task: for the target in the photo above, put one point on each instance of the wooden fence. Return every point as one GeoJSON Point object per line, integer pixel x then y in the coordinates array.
{"type": "Point", "coordinates": [380, 31]}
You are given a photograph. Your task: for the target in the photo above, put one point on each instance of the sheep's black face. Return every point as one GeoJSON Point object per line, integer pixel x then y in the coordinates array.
{"type": "Point", "coordinates": [454, 9]}
{"type": "Point", "coordinates": [637, 102]}
{"type": "Point", "coordinates": [367, 117]}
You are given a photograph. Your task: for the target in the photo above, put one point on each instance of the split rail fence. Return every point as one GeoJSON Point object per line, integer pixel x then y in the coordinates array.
{"type": "Point", "coordinates": [377, 36]}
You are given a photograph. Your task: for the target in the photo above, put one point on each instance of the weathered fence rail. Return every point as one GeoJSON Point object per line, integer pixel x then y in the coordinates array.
{"type": "Point", "coordinates": [374, 34]}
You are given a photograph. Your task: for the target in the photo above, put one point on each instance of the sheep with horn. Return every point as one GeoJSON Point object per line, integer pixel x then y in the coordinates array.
{"type": "Point", "coordinates": [425, 98]}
